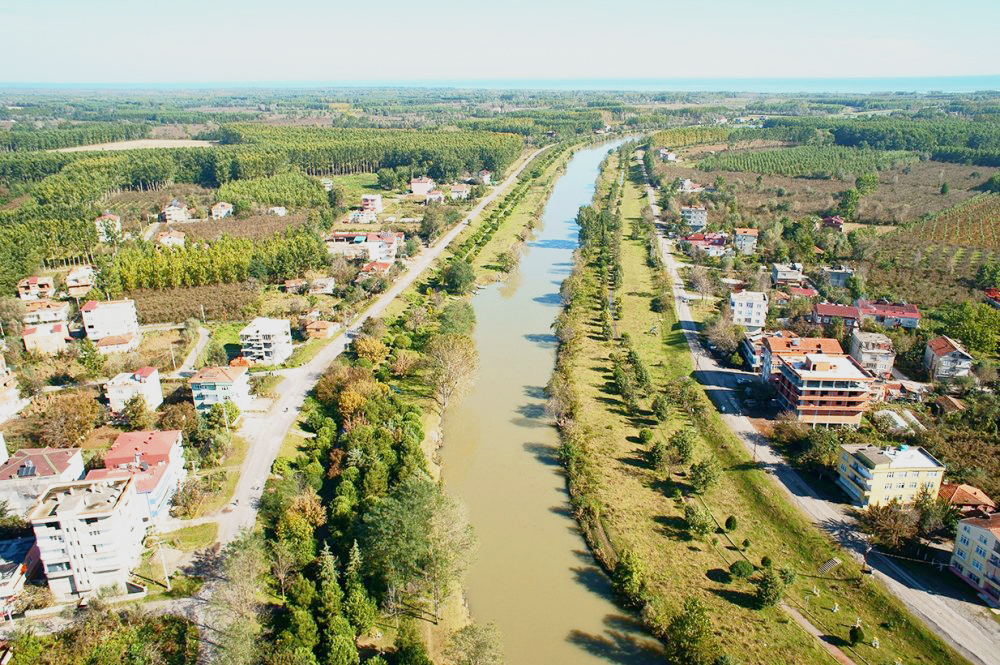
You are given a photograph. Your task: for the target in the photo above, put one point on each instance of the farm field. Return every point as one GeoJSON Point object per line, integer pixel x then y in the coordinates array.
{"type": "Point", "coordinates": [809, 161]}
{"type": "Point", "coordinates": [140, 144]}
{"type": "Point", "coordinates": [257, 227]}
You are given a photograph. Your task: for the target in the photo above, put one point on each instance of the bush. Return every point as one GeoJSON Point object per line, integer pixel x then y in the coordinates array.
{"type": "Point", "coordinates": [787, 576]}
{"type": "Point", "coordinates": [741, 569]}
{"type": "Point", "coordinates": [857, 635]}
{"type": "Point", "coordinates": [770, 589]}
{"type": "Point", "coordinates": [731, 523]}
{"type": "Point", "coordinates": [627, 577]}
{"type": "Point", "coordinates": [746, 544]}
{"type": "Point", "coordinates": [765, 562]}
{"type": "Point", "coordinates": [698, 521]}
{"type": "Point", "coordinates": [645, 436]}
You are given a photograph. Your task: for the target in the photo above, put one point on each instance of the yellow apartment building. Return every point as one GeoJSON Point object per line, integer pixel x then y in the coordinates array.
{"type": "Point", "coordinates": [873, 476]}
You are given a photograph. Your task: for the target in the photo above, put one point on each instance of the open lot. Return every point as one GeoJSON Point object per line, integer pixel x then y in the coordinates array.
{"type": "Point", "coordinates": [142, 144]}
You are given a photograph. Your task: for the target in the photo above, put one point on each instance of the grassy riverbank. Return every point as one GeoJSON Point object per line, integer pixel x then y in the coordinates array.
{"type": "Point", "coordinates": [632, 510]}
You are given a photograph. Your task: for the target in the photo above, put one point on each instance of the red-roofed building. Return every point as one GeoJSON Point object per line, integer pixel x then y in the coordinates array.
{"type": "Point", "coordinates": [776, 346]}
{"type": "Point", "coordinates": [835, 222]}
{"type": "Point", "coordinates": [117, 344]}
{"type": "Point", "coordinates": [45, 339]}
{"type": "Point", "coordinates": [35, 287]}
{"type": "Point", "coordinates": [972, 501]}
{"type": "Point", "coordinates": [823, 313]}
{"type": "Point", "coordinates": [374, 269]}
{"type": "Point", "coordinates": [993, 297]}
{"type": "Point", "coordinates": [45, 311]}
{"type": "Point", "coordinates": [974, 559]}
{"type": "Point", "coordinates": [155, 460]}
{"type": "Point", "coordinates": [890, 315]}
{"type": "Point", "coordinates": [802, 292]}
{"type": "Point", "coordinates": [945, 359]}
{"type": "Point", "coordinates": [26, 474]}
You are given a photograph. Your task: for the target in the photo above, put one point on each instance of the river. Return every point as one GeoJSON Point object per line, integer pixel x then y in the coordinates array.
{"type": "Point", "coordinates": [534, 576]}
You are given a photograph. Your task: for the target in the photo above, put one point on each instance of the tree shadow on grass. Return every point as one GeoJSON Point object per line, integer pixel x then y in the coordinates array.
{"type": "Point", "coordinates": [835, 640]}
{"type": "Point", "coordinates": [719, 576]}
{"type": "Point", "coordinates": [738, 598]}
{"type": "Point", "coordinates": [673, 527]}
{"type": "Point", "coordinates": [637, 459]}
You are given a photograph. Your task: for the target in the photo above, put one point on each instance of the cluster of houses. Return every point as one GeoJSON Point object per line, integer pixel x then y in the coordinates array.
{"type": "Point", "coordinates": [378, 250]}
{"type": "Point", "coordinates": [426, 189]}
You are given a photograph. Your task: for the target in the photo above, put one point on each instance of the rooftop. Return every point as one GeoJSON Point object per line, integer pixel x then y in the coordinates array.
{"type": "Point", "coordinates": [83, 497]}
{"type": "Point", "coordinates": [152, 446]}
{"type": "Point", "coordinates": [820, 366]}
{"type": "Point", "coordinates": [795, 344]}
{"type": "Point", "coordinates": [943, 345]}
{"type": "Point", "coordinates": [265, 326]}
{"type": "Point", "coordinates": [965, 495]}
{"type": "Point", "coordinates": [991, 523]}
{"type": "Point", "coordinates": [903, 457]}
{"type": "Point", "coordinates": [94, 305]}
{"type": "Point", "coordinates": [115, 340]}
{"type": "Point", "coordinates": [872, 337]}
{"type": "Point", "coordinates": [745, 232]}
{"type": "Point", "coordinates": [890, 309]}
{"type": "Point", "coordinates": [218, 375]}
{"type": "Point", "coordinates": [751, 296]}
{"type": "Point", "coordinates": [832, 309]}
{"type": "Point", "coordinates": [37, 462]}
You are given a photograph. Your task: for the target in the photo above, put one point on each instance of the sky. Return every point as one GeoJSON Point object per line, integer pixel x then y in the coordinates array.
{"type": "Point", "coordinates": [378, 41]}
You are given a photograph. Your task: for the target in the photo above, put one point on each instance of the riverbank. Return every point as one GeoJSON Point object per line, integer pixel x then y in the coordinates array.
{"type": "Point", "coordinates": [637, 511]}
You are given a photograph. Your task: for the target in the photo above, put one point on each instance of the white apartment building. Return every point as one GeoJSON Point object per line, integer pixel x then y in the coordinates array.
{"type": "Point", "coordinates": [745, 240]}
{"type": "Point", "coordinates": [11, 401]}
{"type": "Point", "coordinates": [144, 382]}
{"type": "Point", "coordinates": [89, 536]}
{"type": "Point", "coordinates": [873, 351]}
{"type": "Point", "coordinates": [220, 210]}
{"type": "Point", "coordinates": [749, 309]}
{"type": "Point", "coordinates": [40, 312]}
{"type": "Point", "coordinates": [267, 341]}
{"type": "Point", "coordinates": [214, 385]}
{"type": "Point", "coordinates": [382, 246]}
{"type": "Point", "coordinates": [104, 318]}
{"type": "Point", "coordinates": [946, 359]}
{"type": "Point", "coordinates": [696, 217]}
{"type": "Point", "coordinates": [175, 212]}
{"type": "Point", "coordinates": [976, 557]}
{"type": "Point", "coordinates": [371, 202]}
{"type": "Point", "coordinates": [421, 186]}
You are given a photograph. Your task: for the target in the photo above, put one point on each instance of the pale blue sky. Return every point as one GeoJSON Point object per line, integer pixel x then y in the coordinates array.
{"type": "Point", "coordinates": [197, 41]}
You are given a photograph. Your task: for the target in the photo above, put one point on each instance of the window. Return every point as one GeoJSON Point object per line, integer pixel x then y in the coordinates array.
{"type": "Point", "coordinates": [913, 486]}
{"type": "Point", "coordinates": [57, 567]}
{"type": "Point", "coordinates": [963, 540]}
{"type": "Point", "coordinates": [977, 565]}
{"type": "Point", "coordinates": [900, 486]}
{"type": "Point", "coordinates": [891, 474]}
{"type": "Point", "coordinates": [960, 553]}
{"type": "Point", "coordinates": [980, 551]}
{"type": "Point", "coordinates": [982, 539]}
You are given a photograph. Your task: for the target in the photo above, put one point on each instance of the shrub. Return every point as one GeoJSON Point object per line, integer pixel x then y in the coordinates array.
{"type": "Point", "coordinates": [787, 576]}
{"type": "Point", "coordinates": [645, 436]}
{"type": "Point", "coordinates": [627, 577]}
{"type": "Point", "coordinates": [731, 523]}
{"type": "Point", "coordinates": [770, 589]}
{"type": "Point", "coordinates": [857, 635]}
{"type": "Point", "coordinates": [746, 544]}
{"type": "Point", "coordinates": [698, 521]}
{"type": "Point", "coordinates": [741, 569]}
{"type": "Point", "coordinates": [765, 562]}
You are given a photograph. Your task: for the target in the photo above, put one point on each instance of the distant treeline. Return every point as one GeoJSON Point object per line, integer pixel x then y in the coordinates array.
{"type": "Point", "coordinates": [72, 135]}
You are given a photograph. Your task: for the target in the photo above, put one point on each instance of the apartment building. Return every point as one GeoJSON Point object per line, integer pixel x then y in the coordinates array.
{"type": "Point", "coordinates": [787, 343]}
{"type": "Point", "coordinates": [745, 240]}
{"type": "Point", "coordinates": [45, 339]}
{"type": "Point", "coordinates": [421, 186]}
{"type": "Point", "coordinates": [825, 313]}
{"type": "Point", "coordinates": [976, 555]}
{"type": "Point", "coordinates": [214, 385]}
{"type": "Point", "coordinates": [175, 212]}
{"type": "Point", "coordinates": [25, 474]}
{"type": "Point", "coordinates": [89, 536]}
{"type": "Point", "coordinates": [787, 274]}
{"type": "Point", "coordinates": [874, 476]}
{"type": "Point", "coordinates": [874, 352]}
{"type": "Point", "coordinates": [696, 217]}
{"type": "Point", "coordinates": [890, 315]}
{"type": "Point", "coordinates": [11, 401]}
{"type": "Point", "coordinates": [80, 280]}
{"type": "Point", "coordinates": [45, 311]}
{"type": "Point", "coordinates": [267, 341]}
{"type": "Point", "coordinates": [821, 389]}
{"type": "Point", "coordinates": [155, 460]}
{"type": "Point", "coordinates": [144, 382]}
{"type": "Point", "coordinates": [104, 318]}
{"type": "Point", "coordinates": [946, 359]}
{"type": "Point", "coordinates": [838, 276]}
{"type": "Point", "coordinates": [749, 309]}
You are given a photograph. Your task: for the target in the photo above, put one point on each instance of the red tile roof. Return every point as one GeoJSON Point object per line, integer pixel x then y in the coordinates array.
{"type": "Point", "coordinates": [145, 480]}
{"type": "Point", "coordinates": [890, 309]}
{"type": "Point", "coordinates": [802, 292]}
{"type": "Point", "coordinates": [745, 232]}
{"type": "Point", "coordinates": [47, 461]}
{"type": "Point", "coordinates": [991, 523]}
{"type": "Point", "coordinates": [153, 447]}
{"type": "Point", "coordinates": [943, 345]}
{"type": "Point", "coordinates": [223, 374]}
{"type": "Point", "coordinates": [145, 372]}
{"type": "Point", "coordinates": [841, 311]}
{"type": "Point", "coordinates": [965, 495]}
{"type": "Point", "coordinates": [115, 340]}
{"type": "Point", "coordinates": [800, 345]}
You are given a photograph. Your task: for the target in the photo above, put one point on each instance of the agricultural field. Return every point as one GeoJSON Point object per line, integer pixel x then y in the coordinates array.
{"type": "Point", "coordinates": [972, 223]}
{"type": "Point", "coordinates": [221, 302]}
{"type": "Point", "coordinates": [257, 227]}
{"type": "Point", "coordinates": [809, 161]}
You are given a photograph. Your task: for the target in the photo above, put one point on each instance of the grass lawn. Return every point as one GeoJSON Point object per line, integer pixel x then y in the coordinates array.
{"type": "Point", "coordinates": [292, 443]}
{"type": "Point", "coordinates": [156, 346]}
{"type": "Point", "coordinates": [639, 514]}
{"type": "Point", "coordinates": [231, 467]}
{"type": "Point", "coordinates": [191, 538]}
{"type": "Point", "coordinates": [226, 334]}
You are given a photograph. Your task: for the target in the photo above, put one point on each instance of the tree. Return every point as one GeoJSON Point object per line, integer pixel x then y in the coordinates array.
{"type": "Point", "coordinates": [235, 599]}
{"type": "Point", "coordinates": [890, 524]}
{"type": "Point", "coordinates": [457, 318]}
{"type": "Point", "coordinates": [975, 324]}
{"type": "Point", "coordinates": [628, 577]}
{"type": "Point", "coordinates": [215, 354]}
{"type": "Point", "coordinates": [68, 420]}
{"type": "Point", "coordinates": [866, 183]}
{"type": "Point", "coordinates": [705, 473]}
{"type": "Point", "coordinates": [688, 635]}
{"type": "Point", "coordinates": [457, 276]}
{"type": "Point", "coordinates": [371, 349]}
{"type": "Point", "coordinates": [475, 645]}
{"type": "Point", "coordinates": [90, 358]}
{"type": "Point", "coordinates": [282, 565]}
{"type": "Point", "coordinates": [857, 633]}
{"type": "Point", "coordinates": [137, 416]}
{"type": "Point", "coordinates": [452, 361]}
{"type": "Point", "coordinates": [683, 442]}
{"type": "Point", "coordinates": [741, 569]}
{"type": "Point", "coordinates": [661, 408]}
{"type": "Point", "coordinates": [698, 521]}
{"type": "Point", "coordinates": [701, 281]}
{"type": "Point", "coordinates": [770, 588]}
{"type": "Point", "coordinates": [944, 188]}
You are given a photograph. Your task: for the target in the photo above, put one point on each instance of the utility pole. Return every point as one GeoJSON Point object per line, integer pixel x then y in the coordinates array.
{"type": "Point", "coordinates": [203, 314]}
{"type": "Point", "coordinates": [172, 361]}
{"type": "Point", "coordinates": [163, 561]}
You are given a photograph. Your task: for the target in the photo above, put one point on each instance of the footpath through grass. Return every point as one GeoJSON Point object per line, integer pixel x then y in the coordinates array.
{"type": "Point", "coordinates": [640, 514]}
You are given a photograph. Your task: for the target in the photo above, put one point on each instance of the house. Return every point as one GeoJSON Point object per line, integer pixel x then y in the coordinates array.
{"type": "Point", "coordinates": [947, 404]}
{"type": "Point", "coordinates": [321, 329]}
{"type": "Point", "coordinates": [104, 318]}
{"type": "Point", "coordinates": [175, 212]}
{"type": "Point", "coordinates": [45, 339]}
{"type": "Point", "coordinates": [874, 476]}
{"type": "Point", "coordinates": [371, 202]}
{"type": "Point", "coordinates": [267, 341]}
{"type": "Point", "coordinates": [322, 286]}
{"type": "Point", "coordinates": [838, 276]}
{"type": "Point", "coordinates": [143, 382]}
{"type": "Point", "coordinates": [787, 274]}
{"type": "Point", "coordinates": [873, 351]}
{"type": "Point", "coordinates": [34, 287]}
{"type": "Point", "coordinates": [976, 557]}
{"type": "Point", "coordinates": [460, 192]}
{"type": "Point", "coordinates": [992, 297]}
{"type": "Point", "coordinates": [11, 401]}
{"type": "Point", "coordinates": [484, 177]}
{"type": "Point", "coordinates": [434, 196]}
{"type": "Point", "coordinates": [296, 285]}
{"type": "Point", "coordinates": [220, 209]}
{"type": "Point", "coordinates": [690, 186]}
{"type": "Point", "coordinates": [946, 359]}
{"type": "Point", "coordinates": [821, 389]}
{"type": "Point", "coordinates": [108, 226]}
{"type": "Point", "coordinates": [25, 474]}
{"type": "Point", "coordinates": [170, 238]}
{"type": "Point", "coordinates": [421, 186]}
{"type": "Point", "coordinates": [749, 309]}
{"type": "Point", "coordinates": [279, 211]}
{"type": "Point", "coordinates": [713, 244]}
{"type": "Point", "coordinates": [79, 281]}
{"type": "Point", "coordinates": [154, 460]}
{"type": "Point", "coordinates": [667, 155]}
{"type": "Point", "coordinates": [362, 217]}
{"type": "Point", "coordinates": [382, 246]}
{"type": "Point", "coordinates": [970, 501]}
{"type": "Point", "coordinates": [374, 269]}
{"type": "Point", "coordinates": [45, 311]}
{"type": "Point", "coordinates": [890, 315]}
{"type": "Point", "coordinates": [789, 344]}
{"type": "Point", "coordinates": [213, 385]}
{"type": "Point", "coordinates": [19, 562]}
{"type": "Point", "coordinates": [118, 343]}
{"type": "Point", "coordinates": [835, 222]}
{"type": "Point", "coordinates": [696, 216]}
{"type": "Point", "coordinates": [89, 535]}
{"type": "Point", "coordinates": [824, 313]}
{"type": "Point", "coordinates": [752, 346]}
{"type": "Point", "coordinates": [745, 240]}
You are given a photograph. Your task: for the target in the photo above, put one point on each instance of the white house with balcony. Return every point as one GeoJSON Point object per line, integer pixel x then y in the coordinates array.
{"type": "Point", "coordinates": [143, 382]}
{"type": "Point", "coordinates": [267, 341]}
{"type": "Point", "coordinates": [749, 309]}
{"type": "Point", "coordinates": [696, 216]}
{"type": "Point", "coordinates": [214, 385]}
{"type": "Point", "coordinates": [946, 359]}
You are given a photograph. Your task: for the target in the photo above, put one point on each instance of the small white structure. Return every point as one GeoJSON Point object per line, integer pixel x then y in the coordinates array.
{"type": "Point", "coordinates": [372, 202]}
{"type": "Point", "coordinates": [109, 227]}
{"type": "Point", "coordinates": [696, 217]}
{"type": "Point", "coordinates": [214, 385]}
{"type": "Point", "coordinates": [322, 286]}
{"type": "Point", "coordinates": [749, 309]}
{"type": "Point", "coordinates": [420, 186]}
{"type": "Point", "coordinates": [945, 359]}
{"type": "Point", "coordinates": [784, 274]}
{"type": "Point", "coordinates": [484, 177]}
{"type": "Point", "coordinates": [175, 212]}
{"type": "Point", "coordinates": [26, 473]}
{"type": "Point", "coordinates": [144, 382]}
{"type": "Point", "coordinates": [89, 536]}
{"type": "Point", "coordinates": [79, 281]}
{"type": "Point", "coordinates": [267, 341]}
{"type": "Point", "coordinates": [280, 211]}
{"type": "Point", "coordinates": [690, 186]}
{"type": "Point", "coordinates": [745, 240]}
{"type": "Point", "coordinates": [104, 318]}
{"type": "Point", "coordinates": [45, 311]}
{"type": "Point", "coordinates": [460, 192]}
{"type": "Point", "coordinates": [220, 210]}
{"type": "Point", "coordinates": [170, 238]}
{"type": "Point", "coordinates": [434, 196]}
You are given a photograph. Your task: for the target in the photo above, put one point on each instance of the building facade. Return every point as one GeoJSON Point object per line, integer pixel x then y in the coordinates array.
{"type": "Point", "coordinates": [214, 385]}
{"type": "Point", "coordinates": [34, 287]}
{"type": "Point", "coordinates": [976, 555]}
{"type": "Point", "coordinates": [45, 311]}
{"type": "Point", "coordinates": [696, 217]}
{"type": "Point", "coordinates": [104, 318]}
{"type": "Point", "coordinates": [946, 359]}
{"type": "Point", "coordinates": [745, 240]}
{"type": "Point", "coordinates": [874, 476]}
{"type": "Point", "coordinates": [873, 351]}
{"type": "Point", "coordinates": [144, 382]}
{"type": "Point", "coordinates": [11, 401]}
{"type": "Point", "coordinates": [749, 309]}
{"type": "Point", "coordinates": [822, 389]}
{"type": "Point", "coordinates": [26, 474]}
{"type": "Point", "coordinates": [421, 186]}
{"type": "Point", "coordinates": [371, 202]}
{"type": "Point", "coordinates": [267, 341]}
{"type": "Point", "coordinates": [45, 339]}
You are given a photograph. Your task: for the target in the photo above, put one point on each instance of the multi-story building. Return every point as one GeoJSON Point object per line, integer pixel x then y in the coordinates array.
{"type": "Point", "coordinates": [35, 287]}
{"type": "Point", "coordinates": [155, 460]}
{"type": "Point", "coordinates": [890, 315]}
{"type": "Point", "coordinates": [45, 311]}
{"type": "Point", "coordinates": [25, 474]}
{"type": "Point", "coordinates": [80, 281]}
{"type": "Point", "coordinates": [214, 385]}
{"type": "Point", "coordinates": [460, 192]}
{"type": "Point", "coordinates": [175, 212]}
{"type": "Point", "coordinates": [220, 210]}
{"type": "Point", "coordinates": [874, 476]}
{"type": "Point", "coordinates": [104, 318]}
{"type": "Point", "coordinates": [873, 351]}
{"type": "Point", "coordinates": [976, 556]}
{"type": "Point", "coordinates": [372, 202]}
{"type": "Point", "coordinates": [820, 389]}
{"type": "Point", "coordinates": [267, 341]}
{"type": "Point", "coordinates": [484, 177]}
{"type": "Point", "coordinates": [787, 343]}
{"type": "Point", "coordinates": [749, 309]}
{"type": "Point", "coordinates": [89, 536]}
{"type": "Point", "coordinates": [45, 339]}
{"type": "Point", "coordinates": [383, 246]}
{"type": "Point", "coordinates": [787, 274]}
{"type": "Point", "coordinates": [946, 359]}
{"type": "Point", "coordinates": [838, 276]}
{"type": "Point", "coordinates": [144, 382]}
{"type": "Point", "coordinates": [696, 216]}
{"type": "Point", "coordinates": [109, 227]}
{"type": "Point", "coordinates": [11, 401]}
{"type": "Point", "coordinates": [752, 346]}
{"type": "Point", "coordinates": [745, 240]}
{"type": "Point", "coordinates": [824, 313]}
{"type": "Point", "coordinates": [421, 186]}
